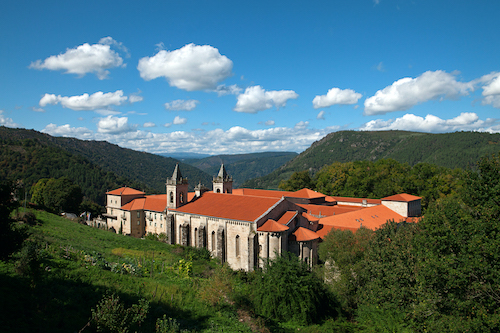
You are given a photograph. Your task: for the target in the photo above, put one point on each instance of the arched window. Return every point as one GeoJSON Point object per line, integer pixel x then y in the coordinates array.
{"type": "Point", "coordinates": [181, 197]}
{"type": "Point", "coordinates": [195, 237]}
{"type": "Point", "coordinates": [218, 190]}
{"type": "Point", "coordinates": [237, 245]}
{"type": "Point", "coordinates": [213, 240]}
{"type": "Point", "coordinates": [171, 197]}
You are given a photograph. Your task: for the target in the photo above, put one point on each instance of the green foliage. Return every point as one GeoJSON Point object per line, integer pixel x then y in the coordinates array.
{"type": "Point", "coordinates": [57, 195]}
{"type": "Point", "coordinates": [110, 315]}
{"type": "Point", "coordinates": [372, 319]}
{"type": "Point", "coordinates": [297, 181]}
{"type": "Point", "coordinates": [343, 251]}
{"type": "Point", "coordinates": [11, 237]}
{"type": "Point", "coordinates": [167, 325]}
{"type": "Point", "coordinates": [287, 291]}
{"type": "Point", "coordinates": [405, 147]}
{"type": "Point", "coordinates": [28, 259]}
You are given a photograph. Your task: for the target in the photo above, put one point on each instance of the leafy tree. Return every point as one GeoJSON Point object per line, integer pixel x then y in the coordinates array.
{"type": "Point", "coordinates": [343, 252]}
{"type": "Point", "coordinates": [287, 291]}
{"type": "Point", "coordinates": [298, 180]}
{"type": "Point", "coordinates": [10, 237]}
{"type": "Point", "coordinates": [57, 194]}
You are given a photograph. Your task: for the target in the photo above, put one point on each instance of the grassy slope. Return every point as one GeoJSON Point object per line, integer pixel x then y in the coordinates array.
{"type": "Point", "coordinates": [452, 150]}
{"type": "Point", "coordinates": [70, 286]}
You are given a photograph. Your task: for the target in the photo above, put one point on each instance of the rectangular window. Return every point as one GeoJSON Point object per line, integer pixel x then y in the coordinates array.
{"type": "Point", "coordinates": [138, 222]}
{"type": "Point", "coordinates": [155, 224]}
{"type": "Point", "coordinates": [138, 214]}
{"type": "Point", "coordinates": [161, 226]}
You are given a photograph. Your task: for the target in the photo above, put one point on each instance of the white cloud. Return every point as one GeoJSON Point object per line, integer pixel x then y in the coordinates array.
{"type": "Point", "coordinates": [83, 59]}
{"type": "Point", "coordinates": [5, 121]}
{"type": "Point", "coordinates": [256, 99]}
{"type": "Point", "coordinates": [149, 124]}
{"type": "Point", "coordinates": [408, 92]}
{"type": "Point", "coordinates": [37, 109]}
{"type": "Point", "coordinates": [106, 112]}
{"type": "Point", "coordinates": [68, 131]}
{"type": "Point", "coordinates": [467, 121]}
{"type": "Point", "coordinates": [134, 98]}
{"type": "Point", "coordinates": [179, 120]}
{"type": "Point", "coordinates": [119, 45]}
{"type": "Point", "coordinates": [85, 102]}
{"type": "Point", "coordinates": [336, 96]}
{"type": "Point", "coordinates": [192, 67]}
{"type": "Point", "coordinates": [114, 125]}
{"type": "Point", "coordinates": [233, 89]}
{"type": "Point", "coordinates": [269, 123]}
{"type": "Point", "coordinates": [491, 89]}
{"type": "Point", "coordinates": [321, 115]}
{"type": "Point", "coordinates": [182, 105]}
{"type": "Point", "coordinates": [301, 125]}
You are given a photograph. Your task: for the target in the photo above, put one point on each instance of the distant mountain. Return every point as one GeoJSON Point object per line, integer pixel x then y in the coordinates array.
{"type": "Point", "coordinates": [184, 156]}
{"type": "Point", "coordinates": [243, 166]}
{"type": "Point", "coordinates": [146, 170]}
{"type": "Point", "coordinates": [451, 150]}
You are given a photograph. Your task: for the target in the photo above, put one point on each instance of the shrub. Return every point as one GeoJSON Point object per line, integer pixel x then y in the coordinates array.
{"type": "Point", "coordinates": [167, 325]}
{"type": "Point", "coordinates": [110, 315]}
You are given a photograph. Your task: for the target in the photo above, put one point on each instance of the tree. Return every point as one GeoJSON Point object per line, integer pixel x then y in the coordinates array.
{"type": "Point", "coordinates": [287, 291]}
{"type": "Point", "coordinates": [298, 180]}
{"type": "Point", "coordinates": [57, 195]}
{"type": "Point", "coordinates": [10, 238]}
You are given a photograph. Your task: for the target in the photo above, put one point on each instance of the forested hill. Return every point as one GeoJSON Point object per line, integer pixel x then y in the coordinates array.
{"type": "Point", "coordinates": [30, 155]}
{"type": "Point", "coordinates": [451, 150]}
{"type": "Point", "coordinates": [243, 166]}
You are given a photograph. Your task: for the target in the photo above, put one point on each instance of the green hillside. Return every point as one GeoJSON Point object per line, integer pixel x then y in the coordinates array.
{"type": "Point", "coordinates": [451, 150]}
{"type": "Point", "coordinates": [96, 166]}
{"type": "Point", "coordinates": [243, 166]}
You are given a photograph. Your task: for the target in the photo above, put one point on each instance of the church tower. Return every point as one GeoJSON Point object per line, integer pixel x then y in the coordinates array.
{"type": "Point", "coordinates": [223, 183]}
{"type": "Point", "coordinates": [177, 189]}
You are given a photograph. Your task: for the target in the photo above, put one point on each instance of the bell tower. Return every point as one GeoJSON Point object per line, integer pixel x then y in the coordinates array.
{"type": "Point", "coordinates": [223, 183]}
{"type": "Point", "coordinates": [177, 189]}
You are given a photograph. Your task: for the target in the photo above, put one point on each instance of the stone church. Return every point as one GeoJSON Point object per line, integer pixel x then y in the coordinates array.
{"type": "Point", "coordinates": [246, 227]}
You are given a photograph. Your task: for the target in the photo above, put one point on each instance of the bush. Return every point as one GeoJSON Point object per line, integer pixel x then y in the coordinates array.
{"type": "Point", "coordinates": [110, 315]}
{"type": "Point", "coordinates": [27, 217]}
{"type": "Point", "coordinates": [288, 291]}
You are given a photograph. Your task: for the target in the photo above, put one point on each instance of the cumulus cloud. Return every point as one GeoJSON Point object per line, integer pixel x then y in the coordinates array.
{"type": "Point", "coordinates": [179, 120]}
{"type": "Point", "coordinates": [466, 121]}
{"type": "Point", "coordinates": [5, 121]}
{"type": "Point", "coordinates": [83, 59]}
{"type": "Point", "coordinates": [85, 102]}
{"type": "Point", "coordinates": [336, 96]}
{"type": "Point", "coordinates": [68, 131]}
{"type": "Point", "coordinates": [321, 115]}
{"type": "Point", "coordinates": [491, 89]}
{"type": "Point", "coordinates": [256, 99]}
{"type": "Point", "coordinates": [233, 89]}
{"type": "Point", "coordinates": [182, 105]}
{"type": "Point", "coordinates": [408, 92]}
{"type": "Point", "coordinates": [301, 125]}
{"type": "Point", "coordinates": [192, 67]}
{"type": "Point", "coordinates": [114, 125]}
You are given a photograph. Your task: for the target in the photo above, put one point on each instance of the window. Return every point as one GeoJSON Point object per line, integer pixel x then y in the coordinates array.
{"type": "Point", "coordinates": [155, 224]}
{"type": "Point", "coordinates": [213, 240]}
{"type": "Point", "coordinates": [218, 190]}
{"type": "Point", "coordinates": [237, 246]}
{"type": "Point", "coordinates": [138, 222]}
{"type": "Point", "coordinates": [171, 197]}
{"type": "Point", "coordinates": [155, 216]}
{"type": "Point", "coordinates": [161, 225]}
{"type": "Point", "coordinates": [161, 217]}
{"type": "Point", "coordinates": [181, 197]}
{"type": "Point", "coordinates": [138, 214]}
{"type": "Point", "coordinates": [150, 223]}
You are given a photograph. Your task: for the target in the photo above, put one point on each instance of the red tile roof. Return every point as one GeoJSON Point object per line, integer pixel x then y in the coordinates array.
{"type": "Point", "coordinates": [402, 197]}
{"type": "Point", "coordinates": [304, 193]}
{"type": "Point", "coordinates": [272, 226]}
{"type": "Point", "coordinates": [303, 235]}
{"type": "Point", "coordinates": [136, 204]}
{"type": "Point", "coordinates": [287, 217]}
{"type": "Point", "coordinates": [328, 210]}
{"type": "Point", "coordinates": [229, 206]}
{"type": "Point", "coordinates": [370, 217]}
{"type": "Point", "coordinates": [125, 191]}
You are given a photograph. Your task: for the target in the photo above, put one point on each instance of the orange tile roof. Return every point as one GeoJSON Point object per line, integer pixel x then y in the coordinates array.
{"type": "Point", "coordinates": [402, 197]}
{"type": "Point", "coordinates": [328, 210]}
{"type": "Point", "coordinates": [305, 193]}
{"type": "Point", "coordinates": [287, 217]}
{"type": "Point", "coordinates": [260, 193]}
{"type": "Point", "coordinates": [191, 196]}
{"type": "Point", "coordinates": [370, 217]}
{"type": "Point", "coordinates": [125, 191]}
{"type": "Point", "coordinates": [303, 235]}
{"type": "Point", "coordinates": [310, 218]}
{"type": "Point", "coordinates": [272, 226]}
{"type": "Point", "coordinates": [136, 204]}
{"type": "Point", "coordinates": [229, 206]}
{"type": "Point", "coordinates": [156, 203]}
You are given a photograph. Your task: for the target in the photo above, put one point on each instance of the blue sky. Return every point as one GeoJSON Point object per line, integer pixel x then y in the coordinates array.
{"type": "Point", "coordinates": [226, 77]}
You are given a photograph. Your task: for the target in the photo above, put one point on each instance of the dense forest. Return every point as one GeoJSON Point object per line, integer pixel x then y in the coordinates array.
{"type": "Point", "coordinates": [243, 167]}
{"type": "Point", "coordinates": [451, 150]}
{"type": "Point", "coordinates": [143, 170]}
{"type": "Point", "coordinates": [379, 179]}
